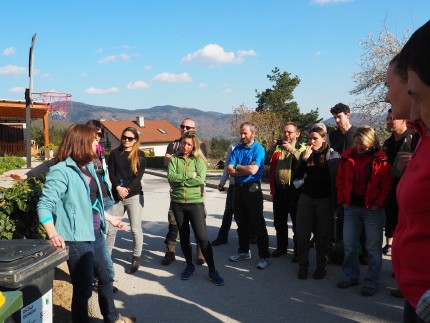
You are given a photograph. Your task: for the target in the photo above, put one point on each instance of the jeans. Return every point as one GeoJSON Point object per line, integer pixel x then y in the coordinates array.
{"type": "Point", "coordinates": [372, 221]}
{"type": "Point", "coordinates": [228, 215]}
{"type": "Point", "coordinates": [172, 234]}
{"type": "Point", "coordinates": [134, 207]}
{"type": "Point", "coordinates": [194, 214]}
{"type": "Point", "coordinates": [85, 258]}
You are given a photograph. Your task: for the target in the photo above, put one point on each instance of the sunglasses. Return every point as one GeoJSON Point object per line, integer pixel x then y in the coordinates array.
{"type": "Point", "coordinates": [100, 134]}
{"type": "Point", "coordinates": [186, 127]}
{"type": "Point", "coordinates": [126, 138]}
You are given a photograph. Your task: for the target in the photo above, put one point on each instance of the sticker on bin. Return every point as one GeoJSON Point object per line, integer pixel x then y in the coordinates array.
{"type": "Point", "coordinates": [40, 311]}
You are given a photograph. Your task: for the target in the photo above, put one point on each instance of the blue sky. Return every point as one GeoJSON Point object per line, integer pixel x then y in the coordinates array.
{"type": "Point", "coordinates": [208, 55]}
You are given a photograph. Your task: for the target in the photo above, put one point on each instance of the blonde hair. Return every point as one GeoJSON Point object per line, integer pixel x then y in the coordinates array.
{"type": "Point", "coordinates": [134, 153]}
{"type": "Point", "coordinates": [197, 152]}
{"type": "Point", "coordinates": [367, 135]}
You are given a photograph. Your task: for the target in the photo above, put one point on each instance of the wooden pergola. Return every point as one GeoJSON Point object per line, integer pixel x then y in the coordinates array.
{"type": "Point", "coordinates": [12, 111]}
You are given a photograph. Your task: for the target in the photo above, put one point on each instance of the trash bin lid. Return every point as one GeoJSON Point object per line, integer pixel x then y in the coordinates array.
{"type": "Point", "coordinates": [11, 250]}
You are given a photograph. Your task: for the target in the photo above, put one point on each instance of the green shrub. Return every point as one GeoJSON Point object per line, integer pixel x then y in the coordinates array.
{"type": "Point", "coordinates": [18, 210]}
{"type": "Point", "coordinates": [10, 162]}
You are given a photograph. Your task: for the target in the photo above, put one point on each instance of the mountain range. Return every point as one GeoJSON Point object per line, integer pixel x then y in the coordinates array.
{"type": "Point", "coordinates": [210, 124]}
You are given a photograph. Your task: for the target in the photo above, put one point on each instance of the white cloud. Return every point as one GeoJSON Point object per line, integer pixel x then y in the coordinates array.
{"type": "Point", "coordinates": [227, 91]}
{"type": "Point", "coordinates": [138, 85]}
{"type": "Point", "coordinates": [107, 59]}
{"type": "Point", "coordinates": [46, 75]}
{"type": "Point", "coordinates": [319, 53]}
{"type": "Point", "coordinates": [214, 55]}
{"type": "Point", "coordinates": [100, 50]}
{"type": "Point", "coordinates": [84, 74]}
{"type": "Point", "coordinates": [9, 51]}
{"type": "Point", "coordinates": [203, 85]}
{"type": "Point", "coordinates": [124, 56]}
{"type": "Point", "coordinates": [147, 67]}
{"type": "Point", "coordinates": [93, 90]}
{"type": "Point", "coordinates": [323, 2]}
{"type": "Point", "coordinates": [17, 89]}
{"type": "Point", "coordinates": [13, 70]}
{"type": "Point", "coordinates": [173, 78]}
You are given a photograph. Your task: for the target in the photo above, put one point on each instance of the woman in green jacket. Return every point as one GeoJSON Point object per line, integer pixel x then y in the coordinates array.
{"type": "Point", "coordinates": [186, 176]}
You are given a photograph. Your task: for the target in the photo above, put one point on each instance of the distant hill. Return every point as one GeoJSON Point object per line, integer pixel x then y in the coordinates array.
{"type": "Point", "coordinates": [209, 124]}
{"type": "Point", "coordinates": [361, 119]}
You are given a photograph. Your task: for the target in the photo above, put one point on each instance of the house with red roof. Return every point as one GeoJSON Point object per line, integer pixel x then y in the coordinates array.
{"type": "Point", "coordinates": [154, 135]}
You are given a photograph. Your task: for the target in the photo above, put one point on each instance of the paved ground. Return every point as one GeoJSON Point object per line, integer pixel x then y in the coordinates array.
{"type": "Point", "coordinates": [156, 294]}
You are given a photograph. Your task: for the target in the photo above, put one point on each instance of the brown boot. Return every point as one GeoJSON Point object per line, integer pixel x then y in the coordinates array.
{"type": "Point", "coordinates": [200, 259]}
{"type": "Point", "coordinates": [169, 257]}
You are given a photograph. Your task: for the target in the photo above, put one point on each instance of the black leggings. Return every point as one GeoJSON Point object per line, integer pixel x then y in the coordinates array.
{"type": "Point", "coordinates": [194, 214]}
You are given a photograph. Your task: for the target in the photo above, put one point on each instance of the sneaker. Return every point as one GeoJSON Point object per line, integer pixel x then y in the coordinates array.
{"type": "Point", "coordinates": [125, 319]}
{"type": "Point", "coordinates": [241, 256]}
{"type": "Point", "coordinates": [368, 291]}
{"type": "Point", "coordinates": [218, 242]}
{"type": "Point", "coordinates": [200, 259]}
{"type": "Point", "coordinates": [279, 252]}
{"type": "Point", "coordinates": [169, 257]}
{"type": "Point", "coordinates": [215, 278]}
{"type": "Point", "coordinates": [386, 250]}
{"type": "Point", "coordinates": [263, 263]}
{"type": "Point", "coordinates": [189, 270]}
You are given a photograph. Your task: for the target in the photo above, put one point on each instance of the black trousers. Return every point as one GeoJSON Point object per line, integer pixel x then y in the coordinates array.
{"type": "Point", "coordinates": [248, 211]}
{"type": "Point", "coordinates": [194, 214]}
{"type": "Point", "coordinates": [284, 202]}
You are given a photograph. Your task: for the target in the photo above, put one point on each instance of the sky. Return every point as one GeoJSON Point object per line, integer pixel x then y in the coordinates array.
{"type": "Point", "coordinates": [207, 55]}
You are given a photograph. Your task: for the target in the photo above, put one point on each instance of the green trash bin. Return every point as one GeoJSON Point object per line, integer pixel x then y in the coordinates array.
{"type": "Point", "coordinates": [29, 266]}
{"type": "Point", "coordinates": [10, 302]}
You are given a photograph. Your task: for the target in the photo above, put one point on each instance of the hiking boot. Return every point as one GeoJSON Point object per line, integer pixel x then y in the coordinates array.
{"type": "Point", "coordinates": [200, 259]}
{"type": "Point", "coordinates": [218, 242]}
{"type": "Point", "coordinates": [279, 252]}
{"type": "Point", "coordinates": [263, 263]}
{"type": "Point", "coordinates": [241, 256]}
{"type": "Point", "coordinates": [319, 274]}
{"type": "Point", "coordinates": [303, 274]}
{"type": "Point", "coordinates": [125, 319]}
{"type": "Point", "coordinates": [368, 291]}
{"type": "Point", "coordinates": [397, 293]}
{"type": "Point", "coordinates": [215, 278]}
{"type": "Point", "coordinates": [345, 284]}
{"type": "Point", "coordinates": [135, 264]}
{"type": "Point", "coordinates": [186, 274]}
{"type": "Point", "coordinates": [169, 257]}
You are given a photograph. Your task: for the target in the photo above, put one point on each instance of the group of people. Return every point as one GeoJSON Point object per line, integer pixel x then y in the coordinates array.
{"type": "Point", "coordinates": [341, 186]}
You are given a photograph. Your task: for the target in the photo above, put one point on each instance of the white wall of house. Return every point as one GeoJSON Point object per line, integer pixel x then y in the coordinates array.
{"type": "Point", "coordinates": [159, 148]}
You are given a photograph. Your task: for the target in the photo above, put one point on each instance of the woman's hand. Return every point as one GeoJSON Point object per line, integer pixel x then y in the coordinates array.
{"type": "Point", "coordinates": [16, 176]}
{"type": "Point", "coordinates": [122, 191]}
{"type": "Point", "coordinates": [116, 221]}
{"type": "Point", "coordinates": [403, 160]}
{"type": "Point", "coordinates": [57, 241]}
{"type": "Point", "coordinates": [374, 208]}
{"type": "Point", "coordinates": [307, 153]}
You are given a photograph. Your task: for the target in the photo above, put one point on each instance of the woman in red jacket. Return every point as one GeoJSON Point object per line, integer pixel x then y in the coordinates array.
{"type": "Point", "coordinates": [363, 182]}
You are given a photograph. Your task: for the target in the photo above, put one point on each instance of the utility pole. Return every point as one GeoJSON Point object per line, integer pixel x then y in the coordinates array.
{"type": "Point", "coordinates": [29, 103]}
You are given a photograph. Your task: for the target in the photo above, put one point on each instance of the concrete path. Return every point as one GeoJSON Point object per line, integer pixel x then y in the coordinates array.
{"type": "Point", "coordinates": [156, 293]}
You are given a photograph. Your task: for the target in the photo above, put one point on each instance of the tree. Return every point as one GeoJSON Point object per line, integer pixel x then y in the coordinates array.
{"type": "Point", "coordinates": [279, 101]}
{"type": "Point", "coordinates": [370, 81]}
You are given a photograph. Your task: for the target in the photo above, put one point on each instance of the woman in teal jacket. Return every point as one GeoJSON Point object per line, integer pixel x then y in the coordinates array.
{"type": "Point", "coordinates": [186, 176]}
{"type": "Point", "coordinates": [71, 211]}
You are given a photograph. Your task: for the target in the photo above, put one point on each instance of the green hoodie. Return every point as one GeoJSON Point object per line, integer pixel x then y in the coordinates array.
{"type": "Point", "coordinates": [184, 187]}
